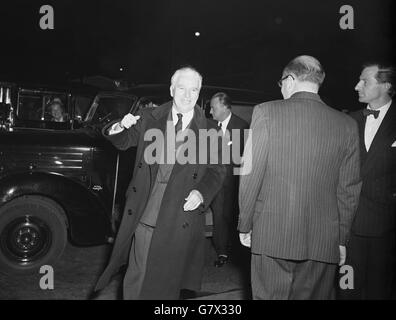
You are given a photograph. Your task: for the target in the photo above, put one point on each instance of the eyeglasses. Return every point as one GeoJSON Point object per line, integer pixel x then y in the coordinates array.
{"type": "Point", "coordinates": [284, 78]}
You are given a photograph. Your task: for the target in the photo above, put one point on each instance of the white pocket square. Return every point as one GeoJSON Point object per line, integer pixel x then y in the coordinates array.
{"type": "Point", "coordinates": [230, 143]}
{"type": "Point", "coordinates": [393, 144]}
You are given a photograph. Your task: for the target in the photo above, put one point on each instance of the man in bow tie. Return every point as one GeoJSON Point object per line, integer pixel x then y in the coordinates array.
{"type": "Point", "coordinates": [297, 202]}
{"type": "Point", "coordinates": [371, 249]}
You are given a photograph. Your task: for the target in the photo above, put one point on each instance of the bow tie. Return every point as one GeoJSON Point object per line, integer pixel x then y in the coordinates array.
{"type": "Point", "coordinates": [367, 112]}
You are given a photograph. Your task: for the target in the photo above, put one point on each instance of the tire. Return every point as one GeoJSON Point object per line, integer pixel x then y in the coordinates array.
{"type": "Point", "coordinates": [33, 233]}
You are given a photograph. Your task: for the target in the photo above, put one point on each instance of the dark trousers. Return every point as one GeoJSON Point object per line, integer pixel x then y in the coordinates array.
{"type": "Point", "coordinates": [373, 263]}
{"type": "Point", "coordinates": [279, 279]}
{"type": "Point", "coordinates": [134, 276]}
{"type": "Point", "coordinates": [224, 209]}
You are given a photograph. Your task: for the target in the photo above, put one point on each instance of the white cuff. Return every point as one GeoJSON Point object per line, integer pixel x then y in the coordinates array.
{"type": "Point", "coordinates": [115, 128]}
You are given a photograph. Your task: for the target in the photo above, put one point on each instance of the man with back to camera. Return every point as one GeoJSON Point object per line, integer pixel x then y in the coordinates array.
{"type": "Point", "coordinates": [225, 204]}
{"type": "Point", "coordinates": [163, 228]}
{"type": "Point", "coordinates": [298, 200]}
{"type": "Point", "coordinates": [371, 248]}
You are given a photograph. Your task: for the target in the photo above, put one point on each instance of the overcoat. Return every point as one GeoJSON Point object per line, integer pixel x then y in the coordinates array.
{"type": "Point", "coordinates": [176, 255]}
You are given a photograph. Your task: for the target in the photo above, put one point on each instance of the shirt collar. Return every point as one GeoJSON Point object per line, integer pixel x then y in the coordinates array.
{"type": "Point", "coordinates": [186, 117]}
{"type": "Point", "coordinates": [383, 110]}
{"type": "Point", "coordinates": [225, 122]}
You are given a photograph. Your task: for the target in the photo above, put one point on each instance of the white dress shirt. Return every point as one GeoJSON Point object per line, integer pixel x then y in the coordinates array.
{"type": "Point", "coordinates": [186, 119]}
{"type": "Point", "coordinates": [372, 124]}
{"type": "Point", "coordinates": [224, 123]}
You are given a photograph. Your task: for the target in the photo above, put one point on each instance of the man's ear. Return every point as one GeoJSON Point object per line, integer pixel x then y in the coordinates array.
{"type": "Point", "coordinates": [171, 91]}
{"type": "Point", "coordinates": [289, 84]}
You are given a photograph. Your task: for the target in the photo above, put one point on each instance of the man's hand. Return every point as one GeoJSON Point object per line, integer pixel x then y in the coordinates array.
{"type": "Point", "coordinates": [193, 201]}
{"type": "Point", "coordinates": [342, 255]}
{"type": "Point", "coordinates": [246, 239]}
{"type": "Point", "coordinates": [129, 120]}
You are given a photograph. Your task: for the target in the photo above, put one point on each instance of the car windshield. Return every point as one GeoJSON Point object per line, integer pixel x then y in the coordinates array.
{"type": "Point", "coordinates": [106, 108]}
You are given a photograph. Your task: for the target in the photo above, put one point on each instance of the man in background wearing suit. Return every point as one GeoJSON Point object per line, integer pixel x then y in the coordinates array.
{"type": "Point", "coordinates": [371, 249]}
{"type": "Point", "coordinates": [299, 198]}
{"type": "Point", "coordinates": [225, 204]}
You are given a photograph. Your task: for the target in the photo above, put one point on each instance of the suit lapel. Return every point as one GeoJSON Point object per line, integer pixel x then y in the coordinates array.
{"type": "Point", "coordinates": [381, 138]}
{"type": "Point", "coordinates": [231, 123]}
{"type": "Point", "coordinates": [361, 121]}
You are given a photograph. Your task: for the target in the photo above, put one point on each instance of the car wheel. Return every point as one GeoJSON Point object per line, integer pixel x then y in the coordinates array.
{"type": "Point", "coordinates": [33, 233]}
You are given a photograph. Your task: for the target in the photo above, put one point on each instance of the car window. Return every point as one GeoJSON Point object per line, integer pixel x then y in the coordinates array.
{"type": "Point", "coordinates": [149, 102]}
{"type": "Point", "coordinates": [81, 106]}
{"type": "Point", "coordinates": [42, 106]}
{"type": "Point", "coordinates": [30, 107]}
{"type": "Point", "coordinates": [106, 108]}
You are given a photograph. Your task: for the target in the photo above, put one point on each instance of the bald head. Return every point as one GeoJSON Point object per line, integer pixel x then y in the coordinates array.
{"type": "Point", "coordinates": [306, 69]}
{"type": "Point", "coordinates": [304, 73]}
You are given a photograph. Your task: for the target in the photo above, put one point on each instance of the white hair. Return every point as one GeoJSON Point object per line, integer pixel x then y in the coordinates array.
{"type": "Point", "coordinates": [185, 69]}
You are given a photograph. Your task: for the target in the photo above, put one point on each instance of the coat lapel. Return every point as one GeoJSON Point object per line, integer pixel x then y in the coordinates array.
{"type": "Point", "coordinates": [198, 122]}
{"type": "Point", "coordinates": [158, 121]}
{"type": "Point", "coordinates": [381, 138]}
{"type": "Point", "coordinates": [361, 121]}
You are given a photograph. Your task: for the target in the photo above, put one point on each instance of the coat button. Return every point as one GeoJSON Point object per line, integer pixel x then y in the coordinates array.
{"type": "Point", "coordinates": [195, 176]}
{"type": "Point", "coordinates": [134, 189]}
{"type": "Point", "coordinates": [129, 212]}
{"type": "Point", "coordinates": [140, 165]}
{"type": "Point", "coordinates": [185, 225]}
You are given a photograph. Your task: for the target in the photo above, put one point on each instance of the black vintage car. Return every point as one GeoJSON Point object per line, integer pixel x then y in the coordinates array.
{"type": "Point", "coordinates": [58, 178]}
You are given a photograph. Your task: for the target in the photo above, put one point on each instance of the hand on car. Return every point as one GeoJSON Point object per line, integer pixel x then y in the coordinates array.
{"type": "Point", "coordinates": [129, 120]}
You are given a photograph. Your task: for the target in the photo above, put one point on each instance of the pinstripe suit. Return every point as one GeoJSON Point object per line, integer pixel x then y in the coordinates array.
{"type": "Point", "coordinates": [300, 197]}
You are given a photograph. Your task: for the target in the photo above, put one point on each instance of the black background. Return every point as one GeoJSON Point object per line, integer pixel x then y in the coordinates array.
{"type": "Point", "coordinates": [243, 43]}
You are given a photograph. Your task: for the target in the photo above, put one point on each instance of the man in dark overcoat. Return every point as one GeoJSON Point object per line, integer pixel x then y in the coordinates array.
{"type": "Point", "coordinates": [162, 232]}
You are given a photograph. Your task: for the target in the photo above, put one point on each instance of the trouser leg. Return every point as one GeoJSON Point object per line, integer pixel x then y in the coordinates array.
{"type": "Point", "coordinates": [134, 276]}
{"type": "Point", "coordinates": [271, 278]}
{"type": "Point", "coordinates": [313, 280]}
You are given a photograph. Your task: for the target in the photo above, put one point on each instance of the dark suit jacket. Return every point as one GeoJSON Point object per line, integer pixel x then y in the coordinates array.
{"type": "Point", "coordinates": [302, 192]}
{"type": "Point", "coordinates": [177, 246]}
{"type": "Point", "coordinates": [235, 145]}
{"type": "Point", "coordinates": [376, 212]}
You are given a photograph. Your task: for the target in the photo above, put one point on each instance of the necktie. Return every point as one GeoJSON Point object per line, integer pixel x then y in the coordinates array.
{"type": "Point", "coordinates": [179, 123]}
{"type": "Point", "coordinates": [367, 112]}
